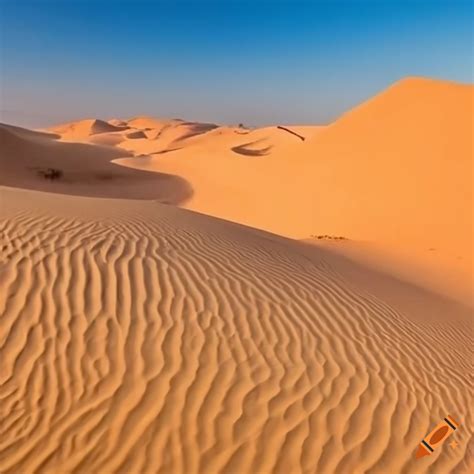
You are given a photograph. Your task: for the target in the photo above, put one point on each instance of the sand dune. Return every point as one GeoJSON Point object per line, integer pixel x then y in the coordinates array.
{"type": "Point", "coordinates": [109, 139]}
{"type": "Point", "coordinates": [85, 128]}
{"type": "Point", "coordinates": [404, 155]}
{"type": "Point", "coordinates": [258, 192]}
{"type": "Point", "coordinates": [397, 170]}
{"type": "Point", "coordinates": [145, 122]}
{"type": "Point", "coordinates": [137, 337]}
{"type": "Point", "coordinates": [117, 122]}
{"type": "Point", "coordinates": [136, 134]}
{"type": "Point", "coordinates": [402, 167]}
{"type": "Point", "coordinates": [87, 169]}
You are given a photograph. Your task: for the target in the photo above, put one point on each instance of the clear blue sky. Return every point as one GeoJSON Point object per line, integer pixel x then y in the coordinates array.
{"type": "Point", "coordinates": [256, 62]}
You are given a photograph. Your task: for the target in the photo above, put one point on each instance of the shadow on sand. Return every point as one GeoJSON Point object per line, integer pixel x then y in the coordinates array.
{"type": "Point", "coordinates": [244, 150]}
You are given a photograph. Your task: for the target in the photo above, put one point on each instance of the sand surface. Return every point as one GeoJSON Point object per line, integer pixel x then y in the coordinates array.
{"type": "Point", "coordinates": [88, 169]}
{"type": "Point", "coordinates": [138, 337]}
{"type": "Point", "coordinates": [143, 338]}
{"type": "Point", "coordinates": [396, 171]}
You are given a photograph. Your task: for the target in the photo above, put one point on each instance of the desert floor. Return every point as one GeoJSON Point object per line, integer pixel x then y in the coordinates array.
{"type": "Point", "coordinates": [183, 297]}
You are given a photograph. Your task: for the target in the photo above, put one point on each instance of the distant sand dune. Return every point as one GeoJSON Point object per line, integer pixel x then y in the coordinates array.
{"type": "Point", "coordinates": [87, 169]}
{"type": "Point", "coordinates": [108, 139]}
{"type": "Point", "coordinates": [193, 129]}
{"type": "Point", "coordinates": [136, 134]}
{"type": "Point", "coordinates": [152, 135]}
{"type": "Point", "coordinates": [117, 122]}
{"type": "Point", "coordinates": [145, 122]}
{"type": "Point", "coordinates": [142, 338]}
{"type": "Point", "coordinates": [24, 133]}
{"type": "Point", "coordinates": [86, 128]}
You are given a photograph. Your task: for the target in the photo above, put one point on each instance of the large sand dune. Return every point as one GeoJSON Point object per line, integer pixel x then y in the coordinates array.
{"type": "Point", "coordinates": [402, 166]}
{"type": "Point", "coordinates": [142, 338]}
{"type": "Point", "coordinates": [403, 156]}
{"type": "Point", "coordinates": [396, 171]}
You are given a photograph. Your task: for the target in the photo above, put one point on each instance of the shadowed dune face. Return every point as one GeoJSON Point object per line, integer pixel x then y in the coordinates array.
{"type": "Point", "coordinates": [136, 134]}
{"type": "Point", "coordinates": [251, 149]}
{"type": "Point", "coordinates": [142, 338]}
{"type": "Point", "coordinates": [24, 132]}
{"type": "Point", "coordinates": [193, 129]}
{"type": "Point", "coordinates": [86, 169]}
{"type": "Point", "coordinates": [107, 139]}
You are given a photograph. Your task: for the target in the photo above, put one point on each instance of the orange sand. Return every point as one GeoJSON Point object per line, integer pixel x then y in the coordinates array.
{"type": "Point", "coordinates": [138, 337]}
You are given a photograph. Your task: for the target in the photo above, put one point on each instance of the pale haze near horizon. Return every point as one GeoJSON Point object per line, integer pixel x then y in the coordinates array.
{"type": "Point", "coordinates": [256, 63]}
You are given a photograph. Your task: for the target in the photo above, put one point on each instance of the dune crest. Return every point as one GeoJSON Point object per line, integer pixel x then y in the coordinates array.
{"type": "Point", "coordinates": [86, 128]}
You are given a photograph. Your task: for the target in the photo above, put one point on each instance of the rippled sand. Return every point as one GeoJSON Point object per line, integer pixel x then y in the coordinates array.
{"type": "Point", "coordinates": [141, 338]}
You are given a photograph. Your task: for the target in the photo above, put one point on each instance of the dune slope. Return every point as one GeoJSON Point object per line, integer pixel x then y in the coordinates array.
{"type": "Point", "coordinates": [137, 337]}
{"type": "Point", "coordinates": [396, 170]}
{"type": "Point", "coordinates": [87, 169]}
{"type": "Point", "coordinates": [86, 128]}
{"type": "Point", "coordinates": [401, 164]}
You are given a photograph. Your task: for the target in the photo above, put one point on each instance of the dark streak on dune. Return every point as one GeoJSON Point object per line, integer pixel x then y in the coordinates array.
{"type": "Point", "coordinates": [244, 150]}
{"type": "Point", "coordinates": [292, 132]}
